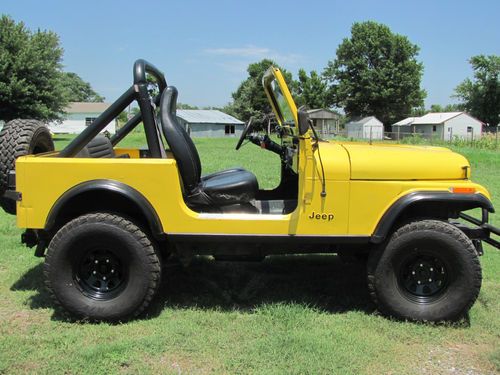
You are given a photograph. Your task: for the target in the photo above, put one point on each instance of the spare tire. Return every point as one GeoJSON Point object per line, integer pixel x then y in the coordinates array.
{"type": "Point", "coordinates": [18, 138]}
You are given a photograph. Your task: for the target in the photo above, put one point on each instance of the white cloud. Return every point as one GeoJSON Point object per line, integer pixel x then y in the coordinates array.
{"type": "Point", "coordinates": [248, 51]}
{"type": "Point", "coordinates": [254, 52]}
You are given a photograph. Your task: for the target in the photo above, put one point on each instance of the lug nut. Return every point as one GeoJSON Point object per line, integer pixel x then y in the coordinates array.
{"type": "Point", "coordinates": [432, 269]}
{"type": "Point", "coordinates": [112, 271]}
{"type": "Point", "coordinates": [104, 277]}
{"type": "Point", "coordinates": [418, 282]}
{"type": "Point", "coordinates": [96, 261]}
{"type": "Point", "coordinates": [107, 260]}
{"type": "Point", "coordinates": [94, 272]}
{"type": "Point", "coordinates": [430, 280]}
{"type": "Point", "coordinates": [413, 272]}
{"type": "Point", "coordinates": [421, 265]}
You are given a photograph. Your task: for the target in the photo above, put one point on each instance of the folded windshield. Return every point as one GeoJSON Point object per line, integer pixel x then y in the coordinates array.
{"type": "Point", "coordinates": [280, 98]}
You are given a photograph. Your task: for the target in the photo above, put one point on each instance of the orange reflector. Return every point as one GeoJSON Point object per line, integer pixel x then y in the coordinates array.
{"type": "Point", "coordinates": [463, 190]}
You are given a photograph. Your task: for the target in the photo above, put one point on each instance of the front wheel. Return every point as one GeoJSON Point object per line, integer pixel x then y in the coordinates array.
{"type": "Point", "coordinates": [102, 267]}
{"type": "Point", "coordinates": [429, 271]}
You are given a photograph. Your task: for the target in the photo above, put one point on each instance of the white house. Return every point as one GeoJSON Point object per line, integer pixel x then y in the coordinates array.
{"type": "Point", "coordinates": [365, 128]}
{"type": "Point", "coordinates": [79, 115]}
{"type": "Point", "coordinates": [442, 125]}
{"type": "Point", "coordinates": [209, 123]}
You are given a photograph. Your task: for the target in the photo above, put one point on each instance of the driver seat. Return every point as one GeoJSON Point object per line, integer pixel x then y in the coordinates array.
{"type": "Point", "coordinates": [228, 187]}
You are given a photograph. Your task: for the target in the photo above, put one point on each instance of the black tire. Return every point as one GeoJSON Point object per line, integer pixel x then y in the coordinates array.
{"type": "Point", "coordinates": [102, 267]}
{"type": "Point", "coordinates": [429, 271]}
{"type": "Point", "coordinates": [18, 138]}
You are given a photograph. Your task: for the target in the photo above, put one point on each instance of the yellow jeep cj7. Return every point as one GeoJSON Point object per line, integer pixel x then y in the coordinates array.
{"type": "Point", "coordinates": [106, 218]}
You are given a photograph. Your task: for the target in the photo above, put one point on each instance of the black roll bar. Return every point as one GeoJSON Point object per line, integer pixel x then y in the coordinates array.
{"type": "Point", "coordinates": [139, 92]}
{"type": "Point", "coordinates": [141, 67]}
{"type": "Point", "coordinates": [99, 124]}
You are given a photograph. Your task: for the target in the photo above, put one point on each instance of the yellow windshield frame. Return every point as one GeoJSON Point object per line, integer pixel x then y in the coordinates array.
{"type": "Point", "coordinates": [274, 75]}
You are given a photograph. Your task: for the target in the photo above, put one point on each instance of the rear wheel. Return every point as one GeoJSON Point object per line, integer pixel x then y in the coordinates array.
{"type": "Point", "coordinates": [429, 271]}
{"type": "Point", "coordinates": [102, 267]}
{"type": "Point", "coordinates": [18, 138]}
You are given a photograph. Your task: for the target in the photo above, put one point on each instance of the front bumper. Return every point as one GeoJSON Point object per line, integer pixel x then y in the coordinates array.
{"type": "Point", "coordinates": [482, 230]}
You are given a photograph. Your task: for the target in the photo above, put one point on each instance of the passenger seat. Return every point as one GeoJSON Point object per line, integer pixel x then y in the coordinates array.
{"type": "Point", "coordinates": [99, 147]}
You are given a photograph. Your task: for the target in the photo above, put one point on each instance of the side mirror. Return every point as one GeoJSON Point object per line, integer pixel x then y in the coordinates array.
{"type": "Point", "coordinates": [304, 120]}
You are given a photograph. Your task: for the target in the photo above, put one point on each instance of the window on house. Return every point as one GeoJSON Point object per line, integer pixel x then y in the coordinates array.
{"type": "Point", "coordinates": [433, 128]}
{"type": "Point", "coordinates": [469, 129]}
{"type": "Point", "coordinates": [449, 130]}
{"type": "Point", "coordinates": [229, 129]}
{"type": "Point", "coordinates": [89, 120]}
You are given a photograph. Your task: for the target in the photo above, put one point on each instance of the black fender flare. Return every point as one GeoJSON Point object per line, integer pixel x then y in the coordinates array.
{"type": "Point", "coordinates": [463, 201]}
{"type": "Point", "coordinates": [114, 187]}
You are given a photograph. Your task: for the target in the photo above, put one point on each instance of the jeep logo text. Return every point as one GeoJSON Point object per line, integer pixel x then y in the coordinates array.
{"type": "Point", "coordinates": [327, 217]}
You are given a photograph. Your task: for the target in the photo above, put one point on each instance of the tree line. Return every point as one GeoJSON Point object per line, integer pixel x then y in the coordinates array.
{"type": "Point", "coordinates": [32, 81]}
{"type": "Point", "coordinates": [375, 72]}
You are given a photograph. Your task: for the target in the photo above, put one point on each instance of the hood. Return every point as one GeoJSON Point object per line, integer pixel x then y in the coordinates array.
{"type": "Point", "coordinates": [404, 162]}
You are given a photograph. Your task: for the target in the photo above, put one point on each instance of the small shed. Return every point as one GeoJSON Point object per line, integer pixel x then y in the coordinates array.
{"type": "Point", "coordinates": [365, 128]}
{"type": "Point", "coordinates": [325, 121]}
{"type": "Point", "coordinates": [209, 123]}
{"type": "Point", "coordinates": [448, 125]}
{"type": "Point", "coordinates": [78, 115]}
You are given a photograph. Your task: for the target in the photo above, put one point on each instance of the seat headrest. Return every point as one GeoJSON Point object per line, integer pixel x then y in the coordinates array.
{"type": "Point", "coordinates": [179, 142]}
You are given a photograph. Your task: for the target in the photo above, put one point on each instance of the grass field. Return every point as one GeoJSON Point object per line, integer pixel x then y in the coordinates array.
{"type": "Point", "coordinates": [290, 315]}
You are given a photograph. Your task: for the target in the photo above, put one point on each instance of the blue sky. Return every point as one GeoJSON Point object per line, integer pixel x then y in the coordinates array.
{"type": "Point", "coordinates": [204, 47]}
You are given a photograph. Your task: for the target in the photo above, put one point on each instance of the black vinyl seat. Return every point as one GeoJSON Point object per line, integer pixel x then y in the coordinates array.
{"type": "Point", "coordinates": [99, 147]}
{"type": "Point", "coordinates": [228, 187]}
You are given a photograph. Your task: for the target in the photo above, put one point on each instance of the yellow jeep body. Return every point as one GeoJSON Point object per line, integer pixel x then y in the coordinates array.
{"type": "Point", "coordinates": [362, 182]}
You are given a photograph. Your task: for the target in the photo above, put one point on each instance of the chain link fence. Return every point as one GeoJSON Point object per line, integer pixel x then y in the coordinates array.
{"type": "Point", "coordinates": [487, 140]}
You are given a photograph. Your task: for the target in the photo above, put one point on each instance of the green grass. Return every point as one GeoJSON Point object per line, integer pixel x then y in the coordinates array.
{"type": "Point", "coordinates": [296, 314]}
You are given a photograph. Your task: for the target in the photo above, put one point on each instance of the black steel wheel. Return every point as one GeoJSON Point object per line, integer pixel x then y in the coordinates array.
{"type": "Point", "coordinates": [102, 267]}
{"type": "Point", "coordinates": [101, 274]}
{"type": "Point", "coordinates": [423, 278]}
{"type": "Point", "coordinates": [429, 270]}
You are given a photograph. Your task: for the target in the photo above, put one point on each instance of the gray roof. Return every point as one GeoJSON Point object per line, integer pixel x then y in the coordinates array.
{"type": "Point", "coordinates": [405, 122]}
{"type": "Point", "coordinates": [324, 113]}
{"type": "Point", "coordinates": [436, 117]}
{"type": "Point", "coordinates": [207, 116]}
{"type": "Point", "coordinates": [364, 120]}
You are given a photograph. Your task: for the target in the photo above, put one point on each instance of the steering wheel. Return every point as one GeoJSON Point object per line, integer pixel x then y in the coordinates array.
{"type": "Point", "coordinates": [244, 133]}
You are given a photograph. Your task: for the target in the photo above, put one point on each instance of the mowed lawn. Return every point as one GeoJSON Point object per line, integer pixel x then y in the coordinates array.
{"type": "Point", "coordinates": [289, 315]}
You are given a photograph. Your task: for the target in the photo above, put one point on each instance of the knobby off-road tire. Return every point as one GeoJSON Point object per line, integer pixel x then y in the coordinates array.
{"type": "Point", "coordinates": [428, 271]}
{"type": "Point", "coordinates": [102, 267]}
{"type": "Point", "coordinates": [18, 138]}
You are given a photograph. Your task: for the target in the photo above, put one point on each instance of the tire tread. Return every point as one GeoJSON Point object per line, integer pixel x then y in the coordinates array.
{"type": "Point", "coordinates": [124, 224]}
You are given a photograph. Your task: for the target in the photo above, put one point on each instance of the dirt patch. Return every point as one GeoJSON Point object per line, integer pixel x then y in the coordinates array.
{"type": "Point", "coordinates": [457, 359]}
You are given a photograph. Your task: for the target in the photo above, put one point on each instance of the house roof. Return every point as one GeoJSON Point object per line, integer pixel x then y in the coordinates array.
{"type": "Point", "coordinates": [86, 107]}
{"type": "Point", "coordinates": [405, 122]}
{"type": "Point", "coordinates": [324, 113]}
{"type": "Point", "coordinates": [364, 120]}
{"type": "Point", "coordinates": [207, 116]}
{"type": "Point", "coordinates": [436, 117]}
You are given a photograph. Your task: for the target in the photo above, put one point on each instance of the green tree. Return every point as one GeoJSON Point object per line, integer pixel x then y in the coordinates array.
{"type": "Point", "coordinates": [376, 73]}
{"type": "Point", "coordinates": [481, 95]}
{"type": "Point", "coordinates": [249, 100]}
{"type": "Point", "coordinates": [312, 90]}
{"type": "Point", "coordinates": [186, 106]}
{"type": "Point", "coordinates": [446, 108]}
{"type": "Point", "coordinates": [77, 90]}
{"type": "Point", "coordinates": [30, 73]}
